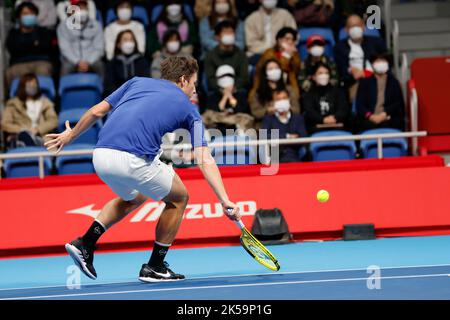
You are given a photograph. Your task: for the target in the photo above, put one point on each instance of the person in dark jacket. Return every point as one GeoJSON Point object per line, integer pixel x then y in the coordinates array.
{"type": "Point", "coordinates": [325, 106]}
{"type": "Point", "coordinates": [127, 63]}
{"type": "Point", "coordinates": [29, 45]}
{"type": "Point", "coordinates": [226, 52]}
{"type": "Point", "coordinates": [352, 55]}
{"type": "Point", "coordinates": [379, 101]}
{"type": "Point", "coordinates": [227, 107]}
{"type": "Point", "coordinates": [289, 125]}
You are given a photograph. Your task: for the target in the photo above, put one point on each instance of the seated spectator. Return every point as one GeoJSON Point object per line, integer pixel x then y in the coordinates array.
{"type": "Point", "coordinates": [290, 125]}
{"type": "Point", "coordinates": [324, 105]}
{"type": "Point", "coordinates": [262, 26]}
{"type": "Point", "coordinates": [127, 63]}
{"type": "Point", "coordinates": [171, 47]}
{"type": "Point", "coordinates": [352, 55]}
{"type": "Point", "coordinates": [227, 107]}
{"type": "Point", "coordinates": [63, 9]}
{"type": "Point", "coordinates": [311, 13]}
{"type": "Point", "coordinates": [29, 116]}
{"type": "Point", "coordinates": [81, 48]}
{"type": "Point", "coordinates": [261, 94]}
{"type": "Point", "coordinates": [379, 101]}
{"type": "Point", "coordinates": [222, 10]}
{"type": "Point", "coordinates": [172, 17]}
{"type": "Point", "coordinates": [316, 49]}
{"type": "Point", "coordinates": [29, 45]}
{"type": "Point", "coordinates": [47, 12]}
{"type": "Point", "coordinates": [226, 52]}
{"type": "Point", "coordinates": [285, 52]}
{"type": "Point", "coordinates": [124, 11]}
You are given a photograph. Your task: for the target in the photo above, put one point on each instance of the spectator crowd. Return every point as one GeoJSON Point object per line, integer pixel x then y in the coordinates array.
{"type": "Point", "coordinates": [256, 71]}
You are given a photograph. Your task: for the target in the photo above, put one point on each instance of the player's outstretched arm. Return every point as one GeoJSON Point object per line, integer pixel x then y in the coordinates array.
{"type": "Point", "coordinates": [58, 140]}
{"type": "Point", "coordinates": [211, 172]}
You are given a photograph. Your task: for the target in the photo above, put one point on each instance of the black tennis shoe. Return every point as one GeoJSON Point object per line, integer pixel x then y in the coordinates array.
{"type": "Point", "coordinates": [158, 274]}
{"type": "Point", "coordinates": [83, 256]}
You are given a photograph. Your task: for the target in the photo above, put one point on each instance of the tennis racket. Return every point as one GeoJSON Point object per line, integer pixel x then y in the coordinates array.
{"type": "Point", "coordinates": [256, 249]}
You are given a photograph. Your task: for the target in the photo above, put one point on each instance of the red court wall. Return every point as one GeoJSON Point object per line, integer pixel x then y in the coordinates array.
{"type": "Point", "coordinates": [408, 196]}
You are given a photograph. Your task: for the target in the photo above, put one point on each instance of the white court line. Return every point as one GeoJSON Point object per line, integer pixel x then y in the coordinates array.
{"type": "Point", "coordinates": [239, 275]}
{"type": "Point", "coordinates": [226, 286]}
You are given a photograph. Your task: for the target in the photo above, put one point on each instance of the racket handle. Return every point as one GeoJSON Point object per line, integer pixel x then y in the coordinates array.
{"type": "Point", "coordinates": [239, 223]}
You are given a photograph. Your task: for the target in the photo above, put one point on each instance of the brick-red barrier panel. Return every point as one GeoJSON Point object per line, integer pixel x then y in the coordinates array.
{"type": "Point", "coordinates": [41, 215]}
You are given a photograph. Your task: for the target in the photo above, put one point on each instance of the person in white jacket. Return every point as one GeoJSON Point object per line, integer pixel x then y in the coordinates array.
{"type": "Point", "coordinates": [124, 11]}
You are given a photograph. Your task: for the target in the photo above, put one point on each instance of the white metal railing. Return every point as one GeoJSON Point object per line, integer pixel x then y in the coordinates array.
{"type": "Point", "coordinates": [387, 21]}
{"type": "Point", "coordinates": [414, 111]}
{"type": "Point", "coordinates": [404, 68]}
{"type": "Point", "coordinates": [266, 143]}
{"type": "Point", "coordinates": [396, 44]}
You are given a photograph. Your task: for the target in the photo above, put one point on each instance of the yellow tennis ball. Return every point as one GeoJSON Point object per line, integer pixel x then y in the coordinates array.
{"type": "Point", "coordinates": [323, 196]}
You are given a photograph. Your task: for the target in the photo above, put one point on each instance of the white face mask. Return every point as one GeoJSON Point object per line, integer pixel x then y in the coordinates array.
{"type": "Point", "coordinates": [127, 47]}
{"type": "Point", "coordinates": [317, 51]}
{"type": "Point", "coordinates": [83, 15]}
{"type": "Point", "coordinates": [274, 74]}
{"type": "Point", "coordinates": [269, 4]}
{"type": "Point", "coordinates": [356, 33]}
{"type": "Point", "coordinates": [124, 14]}
{"type": "Point", "coordinates": [174, 10]}
{"type": "Point", "coordinates": [222, 8]}
{"type": "Point", "coordinates": [282, 105]}
{"type": "Point", "coordinates": [228, 39]}
{"type": "Point", "coordinates": [31, 90]}
{"type": "Point", "coordinates": [381, 67]}
{"type": "Point", "coordinates": [323, 79]}
{"type": "Point", "coordinates": [173, 46]}
{"type": "Point", "coordinates": [225, 82]}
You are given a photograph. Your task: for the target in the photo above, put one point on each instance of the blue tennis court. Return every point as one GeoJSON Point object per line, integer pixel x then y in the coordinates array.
{"type": "Point", "coordinates": [394, 268]}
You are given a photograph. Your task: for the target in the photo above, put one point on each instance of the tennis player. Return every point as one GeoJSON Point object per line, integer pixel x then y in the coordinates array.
{"type": "Point", "coordinates": [126, 158]}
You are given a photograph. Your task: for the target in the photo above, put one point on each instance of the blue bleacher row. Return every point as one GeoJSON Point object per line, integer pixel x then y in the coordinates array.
{"type": "Point", "coordinates": [320, 151]}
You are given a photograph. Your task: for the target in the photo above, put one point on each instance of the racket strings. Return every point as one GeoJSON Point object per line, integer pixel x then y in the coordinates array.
{"type": "Point", "coordinates": [256, 249]}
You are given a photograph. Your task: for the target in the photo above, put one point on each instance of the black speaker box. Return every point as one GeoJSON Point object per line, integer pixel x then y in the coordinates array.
{"type": "Point", "coordinates": [359, 231]}
{"type": "Point", "coordinates": [270, 227]}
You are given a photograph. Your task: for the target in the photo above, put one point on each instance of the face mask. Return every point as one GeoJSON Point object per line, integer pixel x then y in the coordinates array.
{"type": "Point", "coordinates": [225, 82]}
{"type": "Point", "coordinates": [29, 20]}
{"type": "Point", "coordinates": [84, 16]}
{"type": "Point", "coordinates": [128, 47]}
{"type": "Point", "coordinates": [222, 8]}
{"type": "Point", "coordinates": [174, 10]}
{"type": "Point", "coordinates": [323, 79]}
{"type": "Point", "coordinates": [228, 39]}
{"type": "Point", "coordinates": [356, 33]}
{"type": "Point", "coordinates": [31, 90]}
{"type": "Point", "coordinates": [269, 4]}
{"type": "Point", "coordinates": [124, 14]}
{"type": "Point", "coordinates": [282, 105]}
{"type": "Point", "coordinates": [173, 46]}
{"type": "Point", "coordinates": [317, 51]}
{"type": "Point", "coordinates": [274, 75]}
{"type": "Point", "coordinates": [381, 67]}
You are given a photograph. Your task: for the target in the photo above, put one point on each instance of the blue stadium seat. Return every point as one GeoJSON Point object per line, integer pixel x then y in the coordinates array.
{"type": "Point", "coordinates": [392, 148]}
{"type": "Point", "coordinates": [75, 164]}
{"type": "Point", "coordinates": [46, 83]}
{"type": "Point", "coordinates": [74, 115]}
{"type": "Point", "coordinates": [305, 33]}
{"type": "Point", "coordinates": [367, 32]}
{"type": "Point", "coordinates": [336, 150]}
{"type": "Point", "coordinates": [156, 11]}
{"type": "Point", "coordinates": [99, 17]}
{"type": "Point", "coordinates": [80, 90]}
{"type": "Point", "coordinates": [139, 14]}
{"type": "Point", "coordinates": [28, 167]}
{"type": "Point", "coordinates": [234, 155]}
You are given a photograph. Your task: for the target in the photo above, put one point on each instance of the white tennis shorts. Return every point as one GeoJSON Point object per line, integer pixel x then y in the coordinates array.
{"type": "Point", "coordinates": [127, 174]}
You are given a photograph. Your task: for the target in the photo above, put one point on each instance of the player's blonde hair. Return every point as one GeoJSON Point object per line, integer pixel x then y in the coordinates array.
{"type": "Point", "coordinates": [173, 68]}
